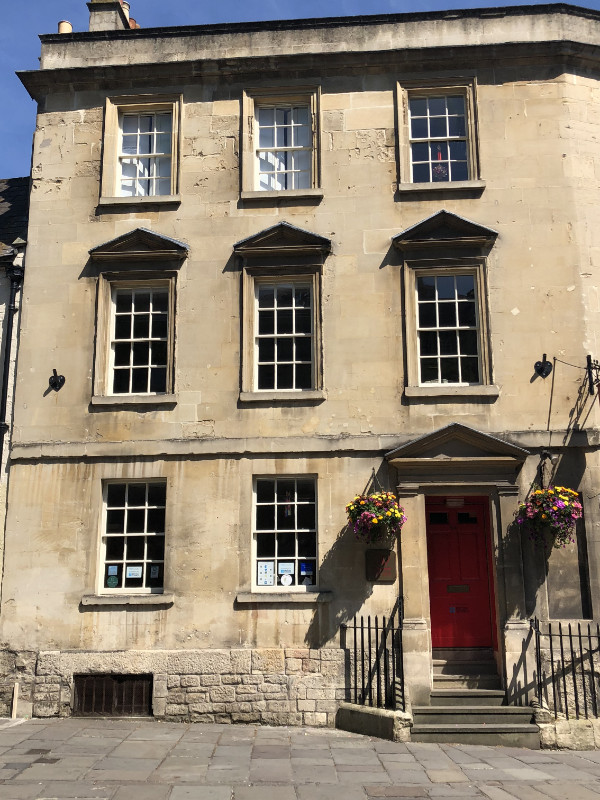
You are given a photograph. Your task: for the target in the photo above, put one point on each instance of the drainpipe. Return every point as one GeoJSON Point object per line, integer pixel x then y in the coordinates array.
{"type": "Point", "coordinates": [15, 275]}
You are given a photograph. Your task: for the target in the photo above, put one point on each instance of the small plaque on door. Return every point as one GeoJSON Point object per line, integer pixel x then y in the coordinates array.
{"type": "Point", "coordinates": [458, 589]}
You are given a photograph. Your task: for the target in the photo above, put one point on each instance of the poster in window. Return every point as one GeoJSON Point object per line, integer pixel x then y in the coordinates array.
{"type": "Point", "coordinates": [133, 572]}
{"type": "Point", "coordinates": [285, 568]}
{"type": "Point", "coordinates": [266, 573]}
{"type": "Point", "coordinates": [113, 569]}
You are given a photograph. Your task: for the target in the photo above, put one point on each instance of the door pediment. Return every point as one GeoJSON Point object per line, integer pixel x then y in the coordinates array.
{"type": "Point", "coordinates": [459, 455]}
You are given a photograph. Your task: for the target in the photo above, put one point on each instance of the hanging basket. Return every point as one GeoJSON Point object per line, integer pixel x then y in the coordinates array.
{"type": "Point", "coordinates": [549, 516]}
{"type": "Point", "coordinates": [375, 518]}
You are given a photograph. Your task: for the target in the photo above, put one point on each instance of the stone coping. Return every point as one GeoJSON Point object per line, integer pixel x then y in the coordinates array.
{"type": "Point", "coordinates": [164, 599]}
{"type": "Point", "coordinates": [272, 598]}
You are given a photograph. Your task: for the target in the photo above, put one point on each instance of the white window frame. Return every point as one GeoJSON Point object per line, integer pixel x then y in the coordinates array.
{"type": "Point", "coordinates": [278, 284]}
{"type": "Point", "coordinates": [252, 100]}
{"type": "Point", "coordinates": [465, 87]}
{"type": "Point", "coordinates": [154, 156]}
{"type": "Point", "coordinates": [253, 277]}
{"type": "Point", "coordinates": [440, 267]}
{"type": "Point", "coordinates": [146, 562]}
{"type": "Point", "coordinates": [296, 559]}
{"type": "Point", "coordinates": [115, 109]}
{"type": "Point", "coordinates": [108, 285]}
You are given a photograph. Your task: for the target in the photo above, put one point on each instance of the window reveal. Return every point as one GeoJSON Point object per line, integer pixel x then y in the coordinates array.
{"type": "Point", "coordinates": [284, 337]}
{"type": "Point", "coordinates": [285, 532]}
{"type": "Point", "coordinates": [447, 329]}
{"type": "Point", "coordinates": [139, 342]}
{"type": "Point", "coordinates": [134, 536]}
{"type": "Point", "coordinates": [438, 139]}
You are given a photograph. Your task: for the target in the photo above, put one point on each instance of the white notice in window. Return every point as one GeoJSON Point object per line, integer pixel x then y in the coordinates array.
{"type": "Point", "coordinates": [266, 573]}
{"type": "Point", "coordinates": [134, 572]}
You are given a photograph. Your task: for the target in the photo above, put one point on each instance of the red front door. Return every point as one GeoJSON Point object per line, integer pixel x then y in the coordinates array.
{"type": "Point", "coordinates": [460, 589]}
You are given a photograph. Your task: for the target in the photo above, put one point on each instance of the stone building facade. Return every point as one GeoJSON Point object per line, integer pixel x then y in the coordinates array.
{"type": "Point", "coordinates": [273, 260]}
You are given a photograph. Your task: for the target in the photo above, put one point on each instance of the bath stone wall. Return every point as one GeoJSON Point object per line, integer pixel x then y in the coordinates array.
{"type": "Point", "coordinates": [17, 667]}
{"type": "Point", "coordinates": [269, 686]}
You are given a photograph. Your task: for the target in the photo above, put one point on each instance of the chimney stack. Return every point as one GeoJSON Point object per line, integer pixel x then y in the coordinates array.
{"type": "Point", "coordinates": [108, 15]}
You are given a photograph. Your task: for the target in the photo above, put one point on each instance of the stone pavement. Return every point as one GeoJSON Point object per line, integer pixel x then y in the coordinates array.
{"type": "Point", "coordinates": [91, 759]}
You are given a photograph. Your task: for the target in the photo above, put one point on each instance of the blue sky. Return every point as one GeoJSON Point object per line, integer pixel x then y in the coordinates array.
{"type": "Point", "coordinates": [23, 21]}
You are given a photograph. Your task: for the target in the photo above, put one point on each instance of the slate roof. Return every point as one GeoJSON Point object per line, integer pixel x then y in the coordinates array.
{"type": "Point", "coordinates": [14, 212]}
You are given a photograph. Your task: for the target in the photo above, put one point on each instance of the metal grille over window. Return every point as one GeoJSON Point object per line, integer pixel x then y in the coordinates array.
{"type": "Point", "coordinates": [146, 150]}
{"type": "Point", "coordinates": [134, 540]}
{"type": "Point", "coordinates": [286, 533]}
{"type": "Point", "coordinates": [284, 336]}
{"type": "Point", "coordinates": [438, 136]}
{"type": "Point", "coordinates": [448, 329]}
{"type": "Point", "coordinates": [140, 341]}
{"type": "Point", "coordinates": [284, 147]}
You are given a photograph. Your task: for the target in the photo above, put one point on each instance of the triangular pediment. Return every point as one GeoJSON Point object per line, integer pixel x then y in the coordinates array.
{"type": "Point", "coordinates": [140, 244]}
{"type": "Point", "coordinates": [283, 238]}
{"type": "Point", "coordinates": [443, 229]}
{"type": "Point", "coordinates": [457, 441]}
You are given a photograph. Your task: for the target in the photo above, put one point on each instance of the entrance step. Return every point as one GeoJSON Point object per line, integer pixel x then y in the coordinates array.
{"type": "Point", "coordinates": [475, 680]}
{"type": "Point", "coordinates": [509, 735]}
{"type": "Point", "coordinates": [468, 697]}
{"type": "Point", "coordinates": [474, 716]}
{"type": "Point", "coordinates": [466, 668]}
{"type": "Point", "coordinates": [463, 654]}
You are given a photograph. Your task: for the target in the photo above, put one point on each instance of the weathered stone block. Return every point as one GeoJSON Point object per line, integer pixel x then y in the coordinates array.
{"type": "Point", "coordinates": [306, 705]}
{"type": "Point", "coordinates": [241, 661]}
{"type": "Point", "coordinates": [209, 680]}
{"type": "Point", "coordinates": [268, 661]}
{"type": "Point", "coordinates": [222, 694]}
{"type": "Point", "coordinates": [190, 680]}
{"type": "Point", "coordinates": [175, 710]}
{"type": "Point", "coordinates": [293, 665]}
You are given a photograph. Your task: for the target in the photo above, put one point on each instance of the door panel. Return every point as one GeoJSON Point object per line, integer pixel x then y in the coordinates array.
{"type": "Point", "coordinates": [459, 581]}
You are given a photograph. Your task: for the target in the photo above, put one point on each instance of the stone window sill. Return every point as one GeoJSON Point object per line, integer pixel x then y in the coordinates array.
{"type": "Point", "coordinates": [308, 396]}
{"type": "Point", "coordinates": [122, 400]}
{"type": "Point", "coordinates": [155, 200]}
{"type": "Point", "coordinates": [273, 598]}
{"type": "Point", "coordinates": [458, 392]}
{"type": "Point", "coordinates": [442, 186]}
{"type": "Point", "coordinates": [164, 599]}
{"type": "Point", "coordinates": [284, 194]}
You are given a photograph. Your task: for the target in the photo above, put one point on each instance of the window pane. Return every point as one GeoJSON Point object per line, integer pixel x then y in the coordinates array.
{"type": "Point", "coordinates": [265, 491]}
{"type": "Point", "coordinates": [141, 326]}
{"type": "Point", "coordinates": [307, 573]}
{"type": "Point", "coordinates": [303, 346]}
{"type": "Point", "coordinates": [465, 287]}
{"type": "Point", "coordinates": [305, 490]}
{"type": "Point", "coordinates": [156, 520]}
{"type": "Point", "coordinates": [306, 515]}
{"type": "Point", "coordinates": [307, 545]}
{"type": "Point", "coordinates": [136, 494]}
{"type": "Point", "coordinates": [129, 147]}
{"type": "Point", "coordinates": [159, 326]}
{"type": "Point", "coordinates": [158, 380]}
{"type": "Point", "coordinates": [155, 547]}
{"type": "Point", "coordinates": [122, 354]}
{"type": "Point", "coordinates": [456, 104]}
{"type": "Point", "coordinates": [130, 123]}
{"type": "Point", "coordinates": [286, 490]}
{"type": "Point", "coordinates": [447, 313]}
{"type": "Point", "coordinates": [426, 288]}
{"type": "Point", "coordinates": [139, 380]}
{"type": "Point", "coordinates": [303, 320]}
{"type": "Point", "coordinates": [146, 122]}
{"type": "Point", "coordinates": [115, 547]}
{"type": "Point", "coordinates": [445, 287]}
{"type": "Point", "coordinates": [285, 349]}
{"type": "Point", "coordinates": [418, 128]}
{"type": "Point", "coordinates": [448, 343]}
{"type": "Point", "coordinates": [265, 518]}
{"type": "Point", "coordinates": [134, 570]}
{"type": "Point", "coordinates": [113, 576]}
{"type": "Point", "coordinates": [459, 171]}
{"type": "Point", "coordinates": [429, 370]}
{"type": "Point", "coordinates": [437, 106]}
{"type": "Point", "coordinates": [468, 342]}
{"type": "Point", "coordinates": [159, 354]}
{"type": "Point", "coordinates": [163, 145]}
{"type": "Point", "coordinates": [428, 343]}
{"type": "Point", "coordinates": [284, 296]}
{"type": "Point", "coordinates": [427, 317]}
{"type": "Point", "coordinates": [157, 494]}
{"type": "Point", "coordinates": [303, 376]}
{"type": "Point", "coordinates": [286, 517]}
{"type": "Point", "coordinates": [418, 106]}
{"type": "Point", "coordinates": [266, 297]}
{"type": "Point", "coordinates": [470, 370]}
{"type": "Point", "coordinates": [136, 546]}
{"type": "Point", "coordinates": [449, 370]}
{"type": "Point", "coordinates": [285, 376]}
{"type": "Point", "coordinates": [266, 350]}
{"type": "Point", "coordinates": [154, 575]}
{"type": "Point", "coordinates": [115, 494]}
{"type": "Point", "coordinates": [266, 116]}
{"type": "Point", "coordinates": [420, 151]}
{"type": "Point", "coordinates": [266, 322]}
{"type": "Point", "coordinates": [141, 353]}
{"type": "Point", "coordinates": [466, 314]}
{"type": "Point", "coordinates": [115, 521]}
{"type": "Point", "coordinates": [136, 518]}
{"type": "Point", "coordinates": [421, 173]}
{"type": "Point", "coordinates": [266, 137]}
{"type": "Point", "coordinates": [122, 327]}
{"type": "Point", "coordinates": [292, 575]}
{"type": "Point", "coordinates": [265, 545]}
{"type": "Point", "coordinates": [286, 544]}
{"type": "Point", "coordinates": [141, 301]}
{"type": "Point", "coordinates": [121, 381]}
{"type": "Point", "coordinates": [438, 127]}
{"type": "Point", "coordinates": [284, 321]}
{"type": "Point", "coordinates": [266, 376]}
{"type": "Point", "coordinates": [302, 296]}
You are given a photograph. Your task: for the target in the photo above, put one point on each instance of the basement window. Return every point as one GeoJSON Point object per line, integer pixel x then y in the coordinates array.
{"type": "Point", "coordinates": [112, 696]}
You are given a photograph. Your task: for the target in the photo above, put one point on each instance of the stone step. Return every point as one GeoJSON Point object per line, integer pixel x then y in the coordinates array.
{"type": "Point", "coordinates": [468, 697]}
{"type": "Point", "coordinates": [475, 681]}
{"type": "Point", "coordinates": [468, 715]}
{"type": "Point", "coordinates": [441, 667]}
{"type": "Point", "coordinates": [463, 654]}
{"type": "Point", "coordinates": [509, 735]}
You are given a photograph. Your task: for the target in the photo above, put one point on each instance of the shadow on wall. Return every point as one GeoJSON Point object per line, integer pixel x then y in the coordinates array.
{"type": "Point", "coordinates": [343, 571]}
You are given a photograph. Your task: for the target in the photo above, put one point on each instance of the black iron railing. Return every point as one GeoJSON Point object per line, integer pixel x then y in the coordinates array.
{"type": "Point", "coordinates": [375, 663]}
{"type": "Point", "coordinates": [568, 667]}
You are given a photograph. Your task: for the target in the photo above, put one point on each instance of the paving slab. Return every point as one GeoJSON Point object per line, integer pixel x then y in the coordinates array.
{"type": "Point", "coordinates": [199, 792]}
